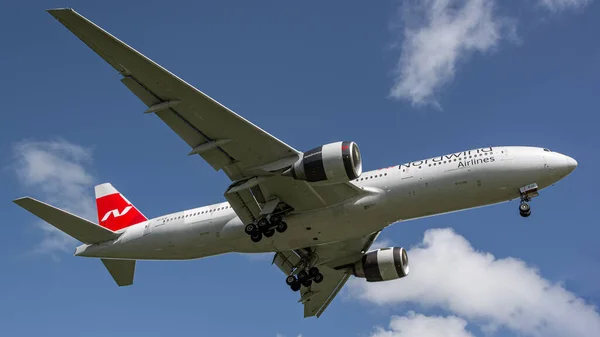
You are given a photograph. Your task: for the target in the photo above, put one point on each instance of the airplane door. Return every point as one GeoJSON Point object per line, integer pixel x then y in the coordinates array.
{"type": "Point", "coordinates": [406, 171]}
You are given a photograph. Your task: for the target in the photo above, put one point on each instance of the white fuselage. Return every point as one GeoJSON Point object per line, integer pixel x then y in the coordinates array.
{"type": "Point", "coordinates": [418, 189]}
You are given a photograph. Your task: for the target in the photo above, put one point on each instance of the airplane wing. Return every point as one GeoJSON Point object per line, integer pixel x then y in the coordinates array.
{"type": "Point", "coordinates": [227, 141]}
{"type": "Point", "coordinates": [224, 139]}
{"type": "Point", "coordinates": [334, 262]}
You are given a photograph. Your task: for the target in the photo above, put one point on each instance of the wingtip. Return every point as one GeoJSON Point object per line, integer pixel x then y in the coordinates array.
{"type": "Point", "coordinates": [53, 10]}
{"type": "Point", "coordinates": [21, 199]}
{"type": "Point", "coordinates": [56, 12]}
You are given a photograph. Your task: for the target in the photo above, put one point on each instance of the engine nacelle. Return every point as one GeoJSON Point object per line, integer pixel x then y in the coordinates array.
{"type": "Point", "coordinates": [382, 265]}
{"type": "Point", "coordinates": [331, 163]}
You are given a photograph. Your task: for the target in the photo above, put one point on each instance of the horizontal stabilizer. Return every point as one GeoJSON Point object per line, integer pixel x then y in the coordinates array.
{"type": "Point", "coordinates": [122, 271]}
{"type": "Point", "coordinates": [73, 225]}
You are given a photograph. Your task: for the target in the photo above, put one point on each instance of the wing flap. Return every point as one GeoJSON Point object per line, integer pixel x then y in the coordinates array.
{"type": "Point", "coordinates": [73, 225]}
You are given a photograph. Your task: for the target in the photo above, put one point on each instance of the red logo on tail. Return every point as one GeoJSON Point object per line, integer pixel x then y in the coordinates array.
{"type": "Point", "coordinates": [115, 212]}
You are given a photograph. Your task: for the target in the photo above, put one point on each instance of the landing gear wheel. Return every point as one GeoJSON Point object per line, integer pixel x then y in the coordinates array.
{"type": "Point", "coordinates": [307, 283]}
{"type": "Point", "coordinates": [275, 219]}
{"type": "Point", "coordinates": [269, 232]}
{"type": "Point", "coordinates": [302, 276]}
{"type": "Point", "coordinates": [250, 228]}
{"type": "Point", "coordinates": [524, 209]}
{"type": "Point", "coordinates": [313, 272]}
{"type": "Point", "coordinates": [281, 227]}
{"type": "Point", "coordinates": [525, 214]}
{"type": "Point", "coordinates": [295, 286]}
{"type": "Point", "coordinates": [256, 237]}
{"type": "Point", "coordinates": [263, 223]}
{"type": "Point", "coordinates": [290, 280]}
{"type": "Point", "coordinates": [318, 278]}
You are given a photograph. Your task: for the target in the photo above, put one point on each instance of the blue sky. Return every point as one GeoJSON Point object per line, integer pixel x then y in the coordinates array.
{"type": "Point", "coordinates": [404, 79]}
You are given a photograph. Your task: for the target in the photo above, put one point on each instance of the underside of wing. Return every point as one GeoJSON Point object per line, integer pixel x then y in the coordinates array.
{"type": "Point", "coordinates": [334, 262]}
{"type": "Point", "coordinates": [252, 200]}
{"type": "Point", "coordinates": [224, 139]}
{"type": "Point", "coordinates": [318, 297]}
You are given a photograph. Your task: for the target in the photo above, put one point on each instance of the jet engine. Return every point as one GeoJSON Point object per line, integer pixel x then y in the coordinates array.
{"type": "Point", "coordinates": [382, 265]}
{"type": "Point", "coordinates": [332, 163]}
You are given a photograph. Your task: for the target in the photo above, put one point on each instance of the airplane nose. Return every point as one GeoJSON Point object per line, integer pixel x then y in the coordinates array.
{"type": "Point", "coordinates": [571, 164]}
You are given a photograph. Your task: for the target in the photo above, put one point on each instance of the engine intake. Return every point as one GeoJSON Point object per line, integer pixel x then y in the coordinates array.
{"type": "Point", "coordinates": [332, 163]}
{"type": "Point", "coordinates": [382, 265]}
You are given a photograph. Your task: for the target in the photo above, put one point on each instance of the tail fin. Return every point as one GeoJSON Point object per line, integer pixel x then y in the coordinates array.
{"type": "Point", "coordinates": [115, 212]}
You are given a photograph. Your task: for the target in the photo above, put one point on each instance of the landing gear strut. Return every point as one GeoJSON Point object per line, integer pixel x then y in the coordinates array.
{"type": "Point", "coordinates": [265, 227]}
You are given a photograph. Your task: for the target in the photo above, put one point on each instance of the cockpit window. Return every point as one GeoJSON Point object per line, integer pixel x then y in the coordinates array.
{"type": "Point", "coordinates": [547, 150]}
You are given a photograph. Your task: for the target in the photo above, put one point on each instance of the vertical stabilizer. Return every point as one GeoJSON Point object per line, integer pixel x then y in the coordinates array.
{"type": "Point", "coordinates": [115, 212]}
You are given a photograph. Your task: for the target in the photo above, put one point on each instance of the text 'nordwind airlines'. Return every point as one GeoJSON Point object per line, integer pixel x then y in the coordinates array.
{"type": "Point", "coordinates": [317, 211]}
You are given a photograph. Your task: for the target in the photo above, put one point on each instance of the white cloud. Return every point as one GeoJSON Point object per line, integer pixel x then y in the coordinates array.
{"type": "Point", "coordinates": [416, 325]}
{"type": "Point", "coordinates": [58, 170]}
{"type": "Point", "coordinates": [447, 272]}
{"type": "Point", "coordinates": [437, 35]}
{"type": "Point", "coordinates": [381, 243]}
{"type": "Point", "coordinates": [561, 5]}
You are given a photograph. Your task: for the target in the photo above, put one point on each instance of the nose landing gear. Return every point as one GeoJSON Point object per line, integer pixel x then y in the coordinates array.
{"type": "Point", "coordinates": [524, 209]}
{"type": "Point", "coordinates": [527, 192]}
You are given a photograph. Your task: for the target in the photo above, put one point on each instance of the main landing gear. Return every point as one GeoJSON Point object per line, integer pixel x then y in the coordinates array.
{"type": "Point", "coordinates": [304, 278]}
{"type": "Point", "coordinates": [266, 227]}
{"type": "Point", "coordinates": [305, 272]}
{"type": "Point", "coordinates": [527, 192]}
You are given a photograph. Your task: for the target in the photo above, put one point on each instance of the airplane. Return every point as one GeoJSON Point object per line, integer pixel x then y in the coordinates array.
{"type": "Point", "coordinates": [316, 211]}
